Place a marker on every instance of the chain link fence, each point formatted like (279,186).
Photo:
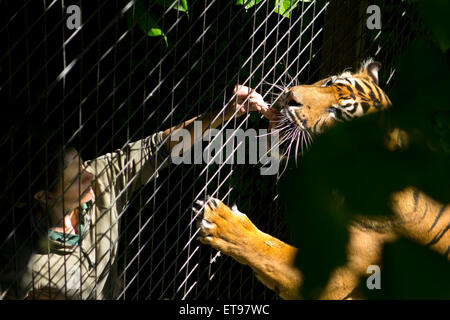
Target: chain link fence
(132,68)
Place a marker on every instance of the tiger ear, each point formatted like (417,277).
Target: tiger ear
(371,68)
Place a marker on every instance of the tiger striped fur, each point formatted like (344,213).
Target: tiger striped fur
(311,109)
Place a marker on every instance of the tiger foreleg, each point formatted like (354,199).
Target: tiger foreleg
(232,233)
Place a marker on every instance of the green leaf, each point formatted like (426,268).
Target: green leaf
(180,5)
(284,7)
(155,32)
(146,22)
(183,6)
(248,3)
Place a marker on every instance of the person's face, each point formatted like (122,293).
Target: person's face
(75,186)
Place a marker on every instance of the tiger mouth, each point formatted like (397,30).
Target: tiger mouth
(294,138)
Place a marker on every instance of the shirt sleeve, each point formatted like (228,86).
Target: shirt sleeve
(127,169)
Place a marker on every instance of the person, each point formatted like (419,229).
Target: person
(74,226)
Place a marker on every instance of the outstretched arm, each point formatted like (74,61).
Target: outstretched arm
(246,98)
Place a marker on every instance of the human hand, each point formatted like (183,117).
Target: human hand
(248,99)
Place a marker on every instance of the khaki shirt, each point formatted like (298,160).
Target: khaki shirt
(87,269)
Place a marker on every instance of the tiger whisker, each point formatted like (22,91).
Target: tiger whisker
(290,133)
(272,132)
(288,152)
(282,118)
(283,139)
(273,85)
(310,138)
(282,125)
(280,128)
(303,141)
(296,147)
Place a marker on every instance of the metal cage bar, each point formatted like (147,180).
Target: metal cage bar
(107,83)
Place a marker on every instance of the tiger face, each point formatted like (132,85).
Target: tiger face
(307,110)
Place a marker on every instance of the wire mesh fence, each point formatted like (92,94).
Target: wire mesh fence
(134,68)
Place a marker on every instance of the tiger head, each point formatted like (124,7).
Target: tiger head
(307,110)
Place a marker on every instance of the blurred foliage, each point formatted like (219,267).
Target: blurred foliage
(411,271)
(434,14)
(247,3)
(282,7)
(349,173)
(145,21)
(147,14)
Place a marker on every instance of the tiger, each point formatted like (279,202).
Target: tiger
(311,109)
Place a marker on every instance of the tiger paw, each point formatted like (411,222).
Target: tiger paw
(223,228)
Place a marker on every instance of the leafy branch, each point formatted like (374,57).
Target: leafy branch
(144,16)
(146,19)
(282,7)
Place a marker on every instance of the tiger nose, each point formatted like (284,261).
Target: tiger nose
(290,94)
(284,97)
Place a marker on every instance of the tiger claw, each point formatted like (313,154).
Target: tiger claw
(206,224)
(196,208)
(213,203)
(199,208)
(223,228)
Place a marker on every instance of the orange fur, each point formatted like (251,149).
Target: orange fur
(416,216)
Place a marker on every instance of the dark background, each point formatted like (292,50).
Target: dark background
(124,85)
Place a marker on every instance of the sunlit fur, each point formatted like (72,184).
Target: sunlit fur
(307,110)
